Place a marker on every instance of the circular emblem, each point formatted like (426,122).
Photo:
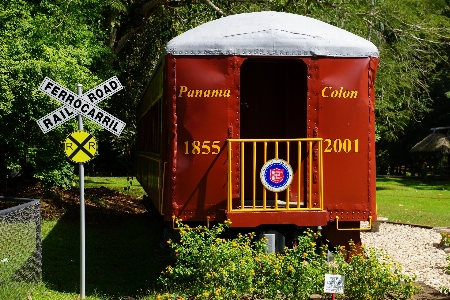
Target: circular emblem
(80,146)
(276,175)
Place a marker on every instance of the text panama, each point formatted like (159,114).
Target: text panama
(74,105)
(203,93)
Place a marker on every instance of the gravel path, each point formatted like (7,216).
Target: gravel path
(415,249)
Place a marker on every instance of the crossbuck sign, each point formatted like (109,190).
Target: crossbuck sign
(80,146)
(84,105)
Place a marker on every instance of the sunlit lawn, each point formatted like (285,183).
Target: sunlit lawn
(125,259)
(127,185)
(122,259)
(414,200)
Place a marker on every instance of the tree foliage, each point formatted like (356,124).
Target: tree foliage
(413,37)
(87,41)
(63,40)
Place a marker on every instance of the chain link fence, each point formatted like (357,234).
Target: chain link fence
(20,242)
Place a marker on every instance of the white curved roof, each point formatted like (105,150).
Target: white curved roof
(270,33)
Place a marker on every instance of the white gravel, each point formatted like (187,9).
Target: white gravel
(415,249)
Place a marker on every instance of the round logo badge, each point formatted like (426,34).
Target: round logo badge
(80,146)
(276,175)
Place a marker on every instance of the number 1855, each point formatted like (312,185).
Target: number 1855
(205,147)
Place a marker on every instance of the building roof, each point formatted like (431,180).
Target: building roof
(270,33)
(434,143)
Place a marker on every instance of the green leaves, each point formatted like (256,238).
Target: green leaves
(72,42)
(59,39)
(209,266)
(412,36)
(372,275)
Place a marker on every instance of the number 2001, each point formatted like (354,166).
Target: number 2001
(339,145)
(205,147)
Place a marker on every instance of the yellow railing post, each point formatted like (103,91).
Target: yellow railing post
(309,160)
(360,228)
(310,175)
(264,190)
(276,193)
(321,174)
(230,183)
(254,175)
(242,176)
(299,172)
(288,189)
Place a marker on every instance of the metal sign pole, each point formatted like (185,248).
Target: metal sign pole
(81,146)
(82,224)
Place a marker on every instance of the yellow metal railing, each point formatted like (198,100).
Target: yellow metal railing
(278,203)
(358,228)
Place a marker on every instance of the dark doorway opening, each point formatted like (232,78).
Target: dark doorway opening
(273,106)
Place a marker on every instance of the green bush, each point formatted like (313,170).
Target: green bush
(445,241)
(54,171)
(15,290)
(372,275)
(209,266)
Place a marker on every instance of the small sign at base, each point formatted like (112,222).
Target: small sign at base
(334,284)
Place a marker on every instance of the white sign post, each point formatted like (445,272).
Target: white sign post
(81,105)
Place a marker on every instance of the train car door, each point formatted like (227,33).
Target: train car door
(273,106)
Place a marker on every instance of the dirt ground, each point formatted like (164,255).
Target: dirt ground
(109,206)
(103,203)
(428,292)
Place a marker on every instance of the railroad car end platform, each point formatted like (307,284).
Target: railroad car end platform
(299,218)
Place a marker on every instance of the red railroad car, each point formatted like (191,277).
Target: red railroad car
(265,119)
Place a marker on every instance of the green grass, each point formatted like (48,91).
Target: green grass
(121,260)
(15,290)
(15,251)
(125,259)
(414,200)
(17,245)
(127,185)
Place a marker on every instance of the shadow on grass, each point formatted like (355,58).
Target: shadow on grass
(123,257)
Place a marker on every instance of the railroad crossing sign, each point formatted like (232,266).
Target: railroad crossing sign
(80,146)
(84,105)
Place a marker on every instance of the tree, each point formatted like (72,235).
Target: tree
(38,39)
(87,41)
(411,36)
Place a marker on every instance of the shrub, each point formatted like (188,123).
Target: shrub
(372,275)
(446,243)
(447,269)
(295,274)
(209,266)
(445,239)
